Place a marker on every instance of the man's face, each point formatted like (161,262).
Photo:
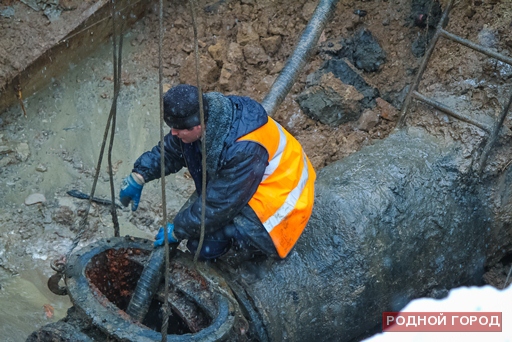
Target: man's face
(188,135)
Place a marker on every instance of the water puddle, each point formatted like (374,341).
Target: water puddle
(26,303)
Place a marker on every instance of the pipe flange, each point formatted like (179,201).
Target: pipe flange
(115,322)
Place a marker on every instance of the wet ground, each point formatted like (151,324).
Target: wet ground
(61,139)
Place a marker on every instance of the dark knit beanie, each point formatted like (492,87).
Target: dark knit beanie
(181,107)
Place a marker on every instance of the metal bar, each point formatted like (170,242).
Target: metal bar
(423,65)
(447,110)
(494,135)
(476,47)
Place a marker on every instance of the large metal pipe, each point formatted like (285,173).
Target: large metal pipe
(300,56)
(398,220)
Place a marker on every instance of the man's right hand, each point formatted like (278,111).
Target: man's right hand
(131,189)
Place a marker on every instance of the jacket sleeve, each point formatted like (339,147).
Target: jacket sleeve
(226,194)
(148,164)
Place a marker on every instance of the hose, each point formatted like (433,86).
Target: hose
(147,285)
(300,56)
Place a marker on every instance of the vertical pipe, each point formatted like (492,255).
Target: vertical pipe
(147,285)
(300,56)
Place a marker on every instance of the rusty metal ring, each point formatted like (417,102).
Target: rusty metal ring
(58,265)
(53,284)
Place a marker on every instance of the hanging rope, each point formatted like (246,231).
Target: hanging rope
(203,135)
(117,67)
(165,304)
(113,110)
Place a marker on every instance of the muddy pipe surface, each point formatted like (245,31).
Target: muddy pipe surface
(301,54)
(401,219)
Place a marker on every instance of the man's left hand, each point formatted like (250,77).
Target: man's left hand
(159,238)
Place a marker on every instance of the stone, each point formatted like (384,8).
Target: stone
(218,51)
(425,12)
(254,54)
(179,23)
(246,34)
(331,101)
(263,86)
(368,120)
(387,111)
(274,28)
(271,44)
(230,77)
(34,199)
(209,70)
(41,168)
(276,67)
(177,60)
(22,151)
(347,73)
(308,9)
(235,53)
(363,50)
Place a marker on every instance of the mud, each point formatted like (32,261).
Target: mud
(243,44)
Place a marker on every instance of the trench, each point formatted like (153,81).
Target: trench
(63,132)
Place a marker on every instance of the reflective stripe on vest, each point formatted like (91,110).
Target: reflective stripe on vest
(284,199)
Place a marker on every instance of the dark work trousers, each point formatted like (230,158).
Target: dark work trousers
(245,233)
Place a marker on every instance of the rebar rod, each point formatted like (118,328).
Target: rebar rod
(117,58)
(448,110)
(494,135)
(423,65)
(475,47)
(83,222)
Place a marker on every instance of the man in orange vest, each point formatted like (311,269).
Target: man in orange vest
(260,183)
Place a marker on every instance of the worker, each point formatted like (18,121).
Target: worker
(260,183)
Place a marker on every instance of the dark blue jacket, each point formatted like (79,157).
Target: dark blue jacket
(230,184)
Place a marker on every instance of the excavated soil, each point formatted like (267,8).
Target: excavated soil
(243,46)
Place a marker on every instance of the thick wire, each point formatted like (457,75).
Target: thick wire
(203,135)
(83,222)
(165,304)
(494,135)
(117,82)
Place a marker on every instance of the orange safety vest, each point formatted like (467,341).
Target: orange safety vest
(284,199)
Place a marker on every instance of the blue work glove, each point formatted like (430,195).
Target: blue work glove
(170,235)
(130,191)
